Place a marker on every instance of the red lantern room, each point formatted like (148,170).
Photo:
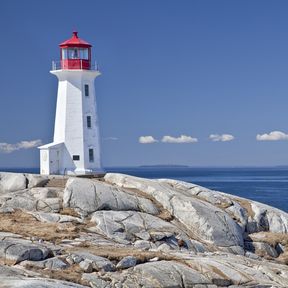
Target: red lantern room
(75,53)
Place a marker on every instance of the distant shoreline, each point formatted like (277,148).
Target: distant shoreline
(157,166)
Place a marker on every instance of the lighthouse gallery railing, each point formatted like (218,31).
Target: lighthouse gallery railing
(58,65)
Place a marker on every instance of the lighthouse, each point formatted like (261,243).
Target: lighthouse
(75,149)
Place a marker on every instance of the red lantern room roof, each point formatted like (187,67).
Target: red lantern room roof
(75,42)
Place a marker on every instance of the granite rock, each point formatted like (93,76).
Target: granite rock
(25,282)
(55,218)
(54,263)
(127,262)
(98,263)
(95,281)
(17,252)
(10,182)
(163,274)
(132,232)
(36,180)
(128,225)
(203,219)
(89,196)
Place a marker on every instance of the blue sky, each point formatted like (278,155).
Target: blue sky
(207,70)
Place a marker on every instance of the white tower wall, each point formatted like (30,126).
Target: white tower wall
(72,136)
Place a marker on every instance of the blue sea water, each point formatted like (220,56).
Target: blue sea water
(266,185)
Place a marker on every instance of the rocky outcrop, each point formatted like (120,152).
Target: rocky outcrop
(129,226)
(18,251)
(10,182)
(201,218)
(163,274)
(124,231)
(88,196)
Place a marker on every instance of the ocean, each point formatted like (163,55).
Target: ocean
(266,185)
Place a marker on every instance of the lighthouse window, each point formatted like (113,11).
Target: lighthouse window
(76,157)
(83,53)
(64,53)
(91,155)
(73,53)
(89,121)
(86,88)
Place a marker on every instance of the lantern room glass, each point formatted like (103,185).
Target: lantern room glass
(75,53)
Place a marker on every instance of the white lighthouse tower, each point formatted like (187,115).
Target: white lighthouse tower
(76,147)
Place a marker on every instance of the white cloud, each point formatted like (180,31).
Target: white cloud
(272,136)
(181,139)
(9,148)
(147,140)
(221,138)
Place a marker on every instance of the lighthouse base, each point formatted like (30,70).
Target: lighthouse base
(88,172)
(55,159)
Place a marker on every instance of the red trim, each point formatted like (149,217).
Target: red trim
(75,41)
(75,64)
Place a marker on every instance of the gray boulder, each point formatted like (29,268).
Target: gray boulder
(36,180)
(6,210)
(10,182)
(144,245)
(95,281)
(239,214)
(17,252)
(15,282)
(163,274)
(163,247)
(86,265)
(196,246)
(261,249)
(49,205)
(269,218)
(55,218)
(9,236)
(213,197)
(131,225)
(127,262)
(207,222)
(239,270)
(35,199)
(44,192)
(98,263)
(8,271)
(89,196)
(18,200)
(54,263)
(257,216)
